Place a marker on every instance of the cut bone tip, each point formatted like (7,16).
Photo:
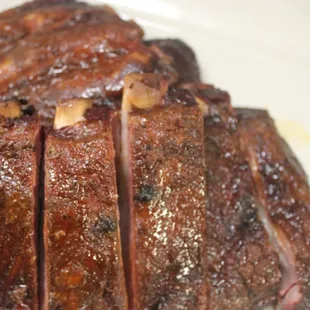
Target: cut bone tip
(10,109)
(143,91)
(71,112)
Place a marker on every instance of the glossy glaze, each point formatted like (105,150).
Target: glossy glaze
(83,260)
(71,50)
(284,187)
(243,267)
(44,17)
(166,174)
(19,161)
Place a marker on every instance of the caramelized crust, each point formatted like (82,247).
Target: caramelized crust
(243,266)
(83,260)
(284,186)
(82,77)
(19,164)
(59,50)
(44,17)
(165,252)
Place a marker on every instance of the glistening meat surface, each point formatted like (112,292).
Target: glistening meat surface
(283,186)
(215,212)
(83,263)
(82,76)
(165,204)
(44,17)
(243,267)
(36,55)
(19,160)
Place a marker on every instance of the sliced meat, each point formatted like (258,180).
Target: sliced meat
(162,196)
(82,77)
(50,16)
(37,54)
(19,165)
(83,263)
(283,188)
(183,56)
(88,60)
(244,264)
(84,54)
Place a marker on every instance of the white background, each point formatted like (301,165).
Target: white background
(258,50)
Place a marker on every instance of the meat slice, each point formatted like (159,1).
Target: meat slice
(19,165)
(37,54)
(84,54)
(283,187)
(183,56)
(82,77)
(83,262)
(162,196)
(44,17)
(244,259)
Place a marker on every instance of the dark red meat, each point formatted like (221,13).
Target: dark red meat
(83,262)
(19,163)
(283,186)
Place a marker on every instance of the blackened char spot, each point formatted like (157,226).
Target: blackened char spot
(108,298)
(66,217)
(212,120)
(29,110)
(23,102)
(161,303)
(180,96)
(104,224)
(249,213)
(146,193)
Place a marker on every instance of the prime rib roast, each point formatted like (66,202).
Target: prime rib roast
(128,183)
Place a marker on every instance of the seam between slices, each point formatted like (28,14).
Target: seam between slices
(278,239)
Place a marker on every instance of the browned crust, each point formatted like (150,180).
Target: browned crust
(167,256)
(284,186)
(19,163)
(243,267)
(83,252)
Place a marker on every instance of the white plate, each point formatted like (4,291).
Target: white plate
(258,50)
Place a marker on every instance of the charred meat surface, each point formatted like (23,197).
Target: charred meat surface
(243,267)
(183,56)
(163,170)
(34,54)
(81,79)
(83,263)
(19,163)
(214,206)
(44,17)
(86,56)
(283,185)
